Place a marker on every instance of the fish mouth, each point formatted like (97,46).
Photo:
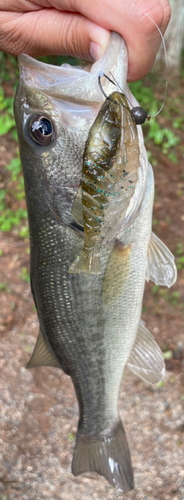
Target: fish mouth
(76,83)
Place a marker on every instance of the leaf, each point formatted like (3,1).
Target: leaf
(159,136)
(15,168)
(25,275)
(168,355)
(6,124)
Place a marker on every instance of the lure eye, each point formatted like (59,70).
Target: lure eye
(140,115)
(41,130)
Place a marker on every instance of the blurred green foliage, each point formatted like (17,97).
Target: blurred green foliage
(3,287)
(8,217)
(7,121)
(25,275)
(58,60)
(8,65)
(168,295)
(162,136)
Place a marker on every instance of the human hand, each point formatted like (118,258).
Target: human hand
(82,28)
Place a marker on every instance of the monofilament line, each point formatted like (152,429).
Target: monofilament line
(162,38)
(164,47)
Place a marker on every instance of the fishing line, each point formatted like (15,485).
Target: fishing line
(140,115)
(165,52)
(162,38)
(114,82)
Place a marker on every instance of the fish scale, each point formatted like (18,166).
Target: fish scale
(61,312)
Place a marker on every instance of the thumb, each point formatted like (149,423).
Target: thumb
(50,31)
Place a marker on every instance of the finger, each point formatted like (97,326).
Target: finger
(23,5)
(49,31)
(144,45)
(130,19)
(167,14)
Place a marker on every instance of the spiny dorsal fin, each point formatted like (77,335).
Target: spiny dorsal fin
(42,356)
(161,266)
(146,359)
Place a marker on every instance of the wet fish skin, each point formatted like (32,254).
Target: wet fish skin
(89,324)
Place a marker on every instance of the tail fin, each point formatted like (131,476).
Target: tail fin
(108,455)
(87,262)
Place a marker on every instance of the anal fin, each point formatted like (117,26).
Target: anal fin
(42,356)
(161,266)
(146,359)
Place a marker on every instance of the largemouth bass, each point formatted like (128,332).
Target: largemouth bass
(90,324)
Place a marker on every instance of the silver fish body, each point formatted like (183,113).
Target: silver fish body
(89,324)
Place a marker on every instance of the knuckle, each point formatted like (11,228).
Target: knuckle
(167,14)
(75,40)
(9,36)
(153,17)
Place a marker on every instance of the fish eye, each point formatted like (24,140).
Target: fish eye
(41,130)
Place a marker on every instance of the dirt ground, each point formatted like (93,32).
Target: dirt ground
(39,411)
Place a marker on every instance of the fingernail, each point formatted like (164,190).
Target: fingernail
(97,49)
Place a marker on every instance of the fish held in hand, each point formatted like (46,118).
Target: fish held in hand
(90,324)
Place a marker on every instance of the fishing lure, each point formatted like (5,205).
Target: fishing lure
(109,176)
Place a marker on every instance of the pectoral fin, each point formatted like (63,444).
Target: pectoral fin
(146,359)
(116,274)
(161,266)
(77,209)
(42,356)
